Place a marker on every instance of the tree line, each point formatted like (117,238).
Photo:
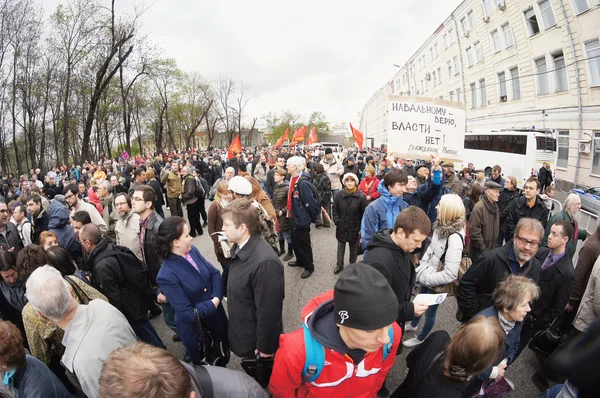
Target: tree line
(86,82)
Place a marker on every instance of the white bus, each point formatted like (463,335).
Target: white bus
(520,153)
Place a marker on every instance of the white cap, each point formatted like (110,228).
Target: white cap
(240,185)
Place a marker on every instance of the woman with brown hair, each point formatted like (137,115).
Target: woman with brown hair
(369,184)
(471,199)
(261,197)
(25,375)
(443,367)
(215,224)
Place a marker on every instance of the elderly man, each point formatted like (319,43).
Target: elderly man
(334,170)
(109,214)
(303,208)
(260,171)
(92,331)
(127,228)
(452,184)
(229,173)
(517,257)
(484,224)
(569,213)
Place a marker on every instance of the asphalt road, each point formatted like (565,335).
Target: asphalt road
(299,291)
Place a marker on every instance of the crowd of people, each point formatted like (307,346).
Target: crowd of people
(88,257)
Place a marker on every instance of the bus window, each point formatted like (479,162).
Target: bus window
(516,144)
(545,144)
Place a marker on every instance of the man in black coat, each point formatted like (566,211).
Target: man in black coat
(37,216)
(9,234)
(255,289)
(545,176)
(390,252)
(475,289)
(530,205)
(556,282)
(103,260)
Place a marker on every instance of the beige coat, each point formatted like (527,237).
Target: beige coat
(589,309)
(128,233)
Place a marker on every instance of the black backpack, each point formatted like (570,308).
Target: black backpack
(199,188)
(312,186)
(133,269)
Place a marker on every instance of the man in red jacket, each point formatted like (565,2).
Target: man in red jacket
(354,330)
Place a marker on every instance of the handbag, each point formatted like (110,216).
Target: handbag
(78,291)
(465,264)
(495,388)
(546,341)
(359,249)
(213,349)
(259,369)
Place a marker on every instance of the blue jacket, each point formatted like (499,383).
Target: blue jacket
(426,193)
(58,222)
(305,207)
(36,380)
(380,214)
(186,289)
(511,342)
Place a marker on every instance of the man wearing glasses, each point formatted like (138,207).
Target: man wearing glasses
(76,204)
(516,257)
(9,234)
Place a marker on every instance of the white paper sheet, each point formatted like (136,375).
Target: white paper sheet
(430,299)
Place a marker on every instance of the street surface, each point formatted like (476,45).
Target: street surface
(299,291)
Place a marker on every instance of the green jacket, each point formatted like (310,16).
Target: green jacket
(579,233)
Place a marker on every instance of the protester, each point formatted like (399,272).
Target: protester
(484,223)
(38,217)
(279,199)
(516,257)
(322,183)
(9,234)
(446,248)
(348,208)
(357,329)
(259,195)
(194,290)
(24,375)
(158,189)
(452,184)
(255,290)
(78,220)
(589,253)
(507,196)
(497,177)
(201,192)
(12,286)
(172,181)
(334,169)
(190,201)
(443,367)
(92,331)
(545,176)
(23,224)
(569,213)
(368,185)
(127,229)
(530,205)
(58,224)
(77,204)
(471,198)
(109,214)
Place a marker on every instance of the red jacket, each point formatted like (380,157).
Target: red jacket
(370,190)
(343,378)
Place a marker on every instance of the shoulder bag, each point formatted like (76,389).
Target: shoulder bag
(213,349)
(465,263)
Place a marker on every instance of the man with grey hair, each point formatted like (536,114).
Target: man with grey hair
(92,331)
(303,209)
(516,257)
(109,213)
(569,213)
(229,173)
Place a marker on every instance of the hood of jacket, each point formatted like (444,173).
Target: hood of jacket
(100,247)
(383,239)
(447,229)
(322,324)
(58,215)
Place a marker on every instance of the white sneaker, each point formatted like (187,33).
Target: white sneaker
(412,342)
(410,328)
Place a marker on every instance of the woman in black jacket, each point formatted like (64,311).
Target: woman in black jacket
(442,367)
(349,205)
(508,194)
(155,184)
(279,200)
(323,184)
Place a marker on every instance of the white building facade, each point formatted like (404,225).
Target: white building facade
(514,64)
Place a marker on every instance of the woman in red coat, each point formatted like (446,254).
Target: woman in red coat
(369,184)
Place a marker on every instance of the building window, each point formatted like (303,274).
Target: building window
(593,54)
(562,159)
(496,41)
(450,69)
(451,94)
(426,85)
(542,72)
(581,6)
(469,56)
(532,23)
(446,41)
(463,24)
(483,99)
(516,84)
(473,96)
(488,7)
(456,65)
(560,72)
(451,34)
(431,53)
(440,75)
(502,84)
(435,50)
(547,14)
(434,79)
(478,52)
(471,18)
(508,36)
(596,154)
(458,94)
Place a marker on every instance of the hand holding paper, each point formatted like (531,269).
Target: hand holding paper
(430,299)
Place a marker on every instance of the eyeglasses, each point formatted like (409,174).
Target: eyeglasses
(136,199)
(526,242)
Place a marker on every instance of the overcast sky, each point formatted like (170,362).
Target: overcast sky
(308,55)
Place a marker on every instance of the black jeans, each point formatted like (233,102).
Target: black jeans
(303,248)
(202,208)
(194,218)
(146,332)
(341,252)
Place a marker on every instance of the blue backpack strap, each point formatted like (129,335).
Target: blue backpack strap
(315,356)
(387,348)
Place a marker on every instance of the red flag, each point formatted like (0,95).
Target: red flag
(312,138)
(298,136)
(358,137)
(283,138)
(236,146)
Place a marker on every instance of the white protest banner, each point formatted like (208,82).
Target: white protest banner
(418,127)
